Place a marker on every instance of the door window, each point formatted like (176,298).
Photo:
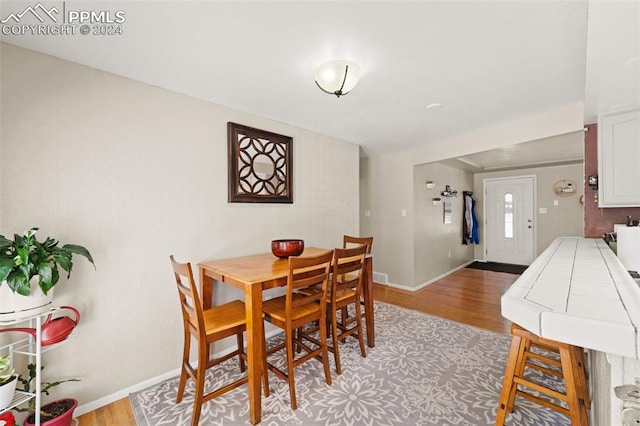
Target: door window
(508,215)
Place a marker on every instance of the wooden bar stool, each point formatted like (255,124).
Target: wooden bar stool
(534,352)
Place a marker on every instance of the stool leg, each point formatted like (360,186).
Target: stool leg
(581,379)
(525,346)
(580,370)
(577,410)
(508,383)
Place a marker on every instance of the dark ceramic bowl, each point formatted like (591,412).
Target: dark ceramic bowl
(286,248)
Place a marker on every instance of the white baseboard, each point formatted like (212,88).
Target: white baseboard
(431,281)
(399,286)
(108,399)
(439,277)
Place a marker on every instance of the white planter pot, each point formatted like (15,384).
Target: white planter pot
(14,305)
(6,392)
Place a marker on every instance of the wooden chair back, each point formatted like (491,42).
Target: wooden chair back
(306,272)
(349,241)
(191,307)
(348,267)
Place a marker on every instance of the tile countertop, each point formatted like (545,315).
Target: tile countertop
(578,292)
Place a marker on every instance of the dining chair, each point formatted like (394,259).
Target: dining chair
(294,310)
(207,326)
(346,289)
(347,273)
(349,241)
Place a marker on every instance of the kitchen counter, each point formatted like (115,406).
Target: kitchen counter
(578,292)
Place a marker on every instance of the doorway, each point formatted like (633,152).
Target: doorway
(510,220)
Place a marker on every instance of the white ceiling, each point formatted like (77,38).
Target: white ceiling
(486,62)
(555,150)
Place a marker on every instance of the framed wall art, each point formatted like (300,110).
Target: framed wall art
(260,165)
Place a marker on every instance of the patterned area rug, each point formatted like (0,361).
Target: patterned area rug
(423,371)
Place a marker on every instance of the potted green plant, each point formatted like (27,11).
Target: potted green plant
(8,382)
(29,267)
(56,413)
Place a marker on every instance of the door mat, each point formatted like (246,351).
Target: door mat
(498,267)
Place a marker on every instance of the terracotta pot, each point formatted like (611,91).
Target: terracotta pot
(65,419)
(6,392)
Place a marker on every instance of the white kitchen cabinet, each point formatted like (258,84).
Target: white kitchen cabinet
(619,159)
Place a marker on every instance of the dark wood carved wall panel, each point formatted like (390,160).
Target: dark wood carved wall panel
(260,166)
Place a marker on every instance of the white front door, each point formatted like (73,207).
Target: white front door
(510,226)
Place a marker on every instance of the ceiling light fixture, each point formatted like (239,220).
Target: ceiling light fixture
(337,77)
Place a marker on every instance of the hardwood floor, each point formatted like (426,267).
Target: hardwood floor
(469,296)
(117,413)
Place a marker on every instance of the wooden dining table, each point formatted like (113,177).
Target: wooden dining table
(256,273)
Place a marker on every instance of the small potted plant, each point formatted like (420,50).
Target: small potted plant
(56,413)
(8,382)
(29,267)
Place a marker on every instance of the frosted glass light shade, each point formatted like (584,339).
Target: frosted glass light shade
(337,77)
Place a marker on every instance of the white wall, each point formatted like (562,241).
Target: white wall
(387,190)
(136,173)
(438,246)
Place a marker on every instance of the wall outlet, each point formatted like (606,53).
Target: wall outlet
(543,210)
(367,213)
